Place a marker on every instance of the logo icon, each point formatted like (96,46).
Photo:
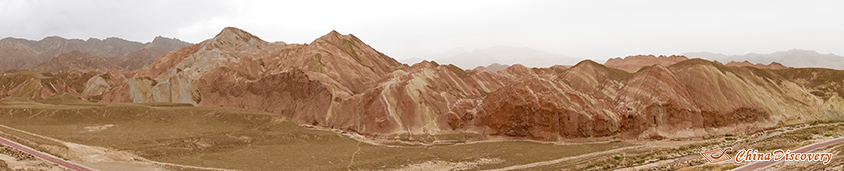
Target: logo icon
(717,155)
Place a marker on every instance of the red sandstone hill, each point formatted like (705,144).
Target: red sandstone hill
(338,81)
(686,99)
(39,85)
(506,55)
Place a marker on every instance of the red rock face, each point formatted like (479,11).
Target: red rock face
(686,99)
(425,99)
(553,105)
(543,110)
(292,93)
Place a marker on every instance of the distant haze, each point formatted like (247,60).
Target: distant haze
(403,30)
(507,56)
(792,58)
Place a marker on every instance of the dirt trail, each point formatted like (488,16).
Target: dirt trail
(762,164)
(560,160)
(45,156)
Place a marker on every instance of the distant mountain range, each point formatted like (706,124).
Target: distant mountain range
(24,54)
(504,55)
(792,58)
(431,57)
(76,61)
(634,63)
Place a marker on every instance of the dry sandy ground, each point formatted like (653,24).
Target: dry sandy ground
(836,164)
(95,157)
(444,165)
(839,165)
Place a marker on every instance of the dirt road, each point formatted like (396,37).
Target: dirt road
(44,156)
(762,164)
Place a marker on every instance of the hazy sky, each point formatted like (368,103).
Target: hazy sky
(585,29)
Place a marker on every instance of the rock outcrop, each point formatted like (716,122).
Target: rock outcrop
(426,99)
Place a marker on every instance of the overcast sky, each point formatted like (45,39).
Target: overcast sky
(584,29)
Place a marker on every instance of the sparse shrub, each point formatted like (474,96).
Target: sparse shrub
(827,135)
(814,132)
(730,139)
(616,158)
